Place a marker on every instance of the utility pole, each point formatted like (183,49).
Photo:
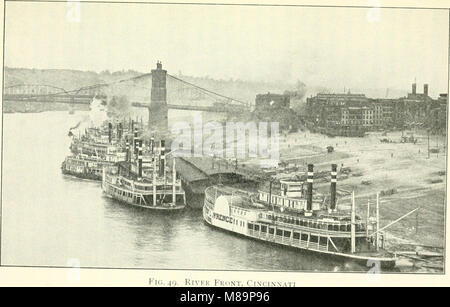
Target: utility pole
(417,221)
(428,133)
(437,146)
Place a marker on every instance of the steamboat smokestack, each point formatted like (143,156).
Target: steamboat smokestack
(333,187)
(414,86)
(310,177)
(132,139)
(127,146)
(136,140)
(162,158)
(110,127)
(120,131)
(425,89)
(140,159)
(152,145)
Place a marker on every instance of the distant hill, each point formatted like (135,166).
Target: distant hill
(67,79)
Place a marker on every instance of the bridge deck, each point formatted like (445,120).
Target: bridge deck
(87,99)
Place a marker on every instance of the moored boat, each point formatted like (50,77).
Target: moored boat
(293,220)
(85,167)
(91,155)
(147,185)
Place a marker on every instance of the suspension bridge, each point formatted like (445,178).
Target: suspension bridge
(179,95)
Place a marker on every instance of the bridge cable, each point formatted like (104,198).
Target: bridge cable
(208,91)
(89,86)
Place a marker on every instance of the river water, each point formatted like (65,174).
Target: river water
(49,219)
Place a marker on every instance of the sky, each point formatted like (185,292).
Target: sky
(330,47)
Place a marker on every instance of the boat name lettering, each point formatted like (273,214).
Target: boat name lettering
(225,218)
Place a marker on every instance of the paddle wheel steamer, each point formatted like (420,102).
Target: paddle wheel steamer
(142,180)
(292,218)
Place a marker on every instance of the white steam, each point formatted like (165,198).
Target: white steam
(95,118)
(97,114)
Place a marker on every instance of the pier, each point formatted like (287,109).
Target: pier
(209,168)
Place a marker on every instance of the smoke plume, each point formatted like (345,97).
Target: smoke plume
(119,107)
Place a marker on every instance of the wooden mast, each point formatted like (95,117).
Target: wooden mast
(154,179)
(367,217)
(174,180)
(353,241)
(377,237)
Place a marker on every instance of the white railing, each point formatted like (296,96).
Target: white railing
(287,240)
(332,233)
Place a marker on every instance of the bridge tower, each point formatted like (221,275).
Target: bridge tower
(158,111)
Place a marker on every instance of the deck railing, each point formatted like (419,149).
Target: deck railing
(332,233)
(287,240)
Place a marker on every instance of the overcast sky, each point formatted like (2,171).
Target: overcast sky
(332,47)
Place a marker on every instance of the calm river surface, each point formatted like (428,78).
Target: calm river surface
(49,219)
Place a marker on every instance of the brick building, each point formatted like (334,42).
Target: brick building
(344,114)
(417,106)
(354,114)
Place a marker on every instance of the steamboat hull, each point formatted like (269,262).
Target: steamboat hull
(128,198)
(84,175)
(235,215)
(369,262)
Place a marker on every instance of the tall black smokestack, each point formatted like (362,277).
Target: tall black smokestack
(162,158)
(310,177)
(132,138)
(135,140)
(120,131)
(140,159)
(152,145)
(110,132)
(333,187)
(128,150)
(425,89)
(414,86)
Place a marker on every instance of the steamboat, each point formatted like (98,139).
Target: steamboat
(291,218)
(87,167)
(92,152)
(143,180)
